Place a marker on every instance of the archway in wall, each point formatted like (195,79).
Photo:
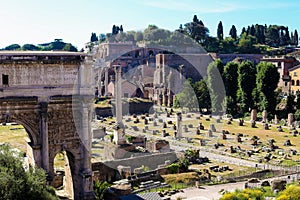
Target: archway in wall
(19,137)
(63,174)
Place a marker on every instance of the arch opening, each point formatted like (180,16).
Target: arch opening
(21,136)
(64,166)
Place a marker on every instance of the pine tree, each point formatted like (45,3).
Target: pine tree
(296,38)
(252,30)
(113,30)
(220,31)
(233,33)
(243,31)
(94,37)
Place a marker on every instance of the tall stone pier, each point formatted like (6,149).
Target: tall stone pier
(119,132)
(179,125)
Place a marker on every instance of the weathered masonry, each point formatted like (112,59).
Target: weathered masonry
(50,94)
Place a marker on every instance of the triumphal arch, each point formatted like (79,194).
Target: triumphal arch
(50,94)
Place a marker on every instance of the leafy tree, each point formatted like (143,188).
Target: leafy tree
(187,97)
(12,47)
(180,29)
(260,33)
(99,188)
(244,194)
(220,65)
(202,94)
(138,36)
(266,81)
(252,30)
(230,76)
(196,30)
(216,88)
(102,37)
(272,36)
(297,114)
(297,100)
(18,183)
(150,27)
(246,43)
(94,37)
(30,47)
(69,47)
(246,85)
(211,44)
(220,34)
(233,32)
(156,35)
(290,103)
(228,45)
(292,192)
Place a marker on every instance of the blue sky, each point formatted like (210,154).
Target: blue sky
(39,21)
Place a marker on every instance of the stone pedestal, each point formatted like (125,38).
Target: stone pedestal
(264,116)
(209,133)
(276,120)
(253,114)
(179,125)
(212,128)
(253,124)
(290,119)
(119,134)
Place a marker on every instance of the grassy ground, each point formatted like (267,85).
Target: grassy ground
(15,135)
(191,121)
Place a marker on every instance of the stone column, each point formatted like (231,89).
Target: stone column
(253,115)
(264,116)
(119,132)
(179,125)
(290,119)
(106,81)
(85,135)
(276,121)
(118,93)
(86,190)
(180,72)
(43,126)
(100,82)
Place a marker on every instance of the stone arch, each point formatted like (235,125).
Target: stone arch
(70,171)
(33,151)
(31,131)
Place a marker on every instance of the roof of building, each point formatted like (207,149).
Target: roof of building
(146,196)
(293,68)
(41,53)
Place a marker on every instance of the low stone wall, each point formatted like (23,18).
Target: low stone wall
(127,108)
(108,170)
(151,161)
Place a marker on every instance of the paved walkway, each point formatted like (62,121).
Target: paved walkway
(207,192)
(212,192)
